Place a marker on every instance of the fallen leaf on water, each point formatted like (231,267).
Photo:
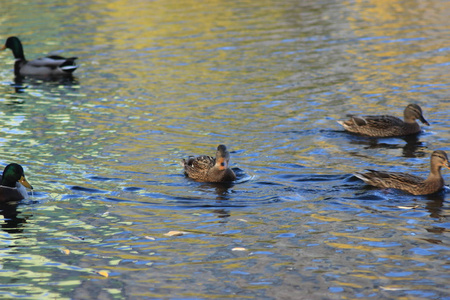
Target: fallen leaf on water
(408,207)
(391,288)
(175,233)
(103,273)
(239,249)
(65,251)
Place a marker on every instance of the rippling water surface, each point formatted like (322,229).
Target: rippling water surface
(161,80)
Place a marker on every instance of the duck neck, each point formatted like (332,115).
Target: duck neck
(435,172)
(8,183)
(17,50)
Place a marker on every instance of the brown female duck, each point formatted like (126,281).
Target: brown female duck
(53,65)
(385,125)
(410,183)
(13,184)
(205,168)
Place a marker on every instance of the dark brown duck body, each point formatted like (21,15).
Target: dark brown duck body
(13,184)
(410,183)
(385,125)
(205,168)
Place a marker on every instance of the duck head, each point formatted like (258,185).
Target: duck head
(12,174)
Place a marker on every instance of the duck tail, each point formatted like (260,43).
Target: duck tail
(69,65)
(362,176)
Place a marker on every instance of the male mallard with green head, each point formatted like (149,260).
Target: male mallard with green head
(205,168)
(410,183)
(385,125)
(53,65)
(13,184)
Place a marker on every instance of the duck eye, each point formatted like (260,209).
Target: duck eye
(222,164)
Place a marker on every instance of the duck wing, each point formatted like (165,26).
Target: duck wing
(380,122)
(203,162)
(396,180)
(53,61)
(197,167)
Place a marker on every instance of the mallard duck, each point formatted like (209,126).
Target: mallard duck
(13,184)
(205,168)
(410,183)
(385,125)
(53,65)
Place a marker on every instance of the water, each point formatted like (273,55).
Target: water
(161,80)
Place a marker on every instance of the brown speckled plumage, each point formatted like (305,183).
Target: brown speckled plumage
(385,125)
(410,183)
(205,168)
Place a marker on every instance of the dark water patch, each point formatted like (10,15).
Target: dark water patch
(367,198)
(308,132)
(312,177)
(352,178)
(241,176)
(214,196)
(221,202)
(268,183)
(87,190)
(292,166)
(102,178)
(132,189)
(125,200)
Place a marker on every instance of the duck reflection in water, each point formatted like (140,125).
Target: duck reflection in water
(12,223)
(47,84)
(220,189)
(435,204)
(413,147)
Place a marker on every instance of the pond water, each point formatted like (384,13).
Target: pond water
(161,80)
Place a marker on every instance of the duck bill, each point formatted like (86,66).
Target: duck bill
(422,119)
(447,165)
(25,183)
(3,47)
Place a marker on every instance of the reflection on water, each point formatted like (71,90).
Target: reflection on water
(13,223)
(159,80)
(414,147)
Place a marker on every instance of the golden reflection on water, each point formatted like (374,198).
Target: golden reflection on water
(161,80)
(387,48)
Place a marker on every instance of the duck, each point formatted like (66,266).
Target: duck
(410,183)
(205,168)
(13,184)
(386,125)
(53,65)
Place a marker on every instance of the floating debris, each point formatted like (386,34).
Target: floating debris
(103,273)
(239,249)
(175,233)
(408,207)
(65,251)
